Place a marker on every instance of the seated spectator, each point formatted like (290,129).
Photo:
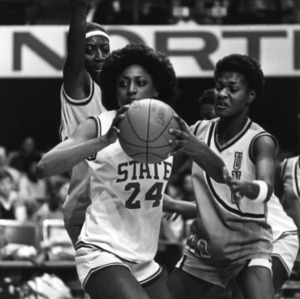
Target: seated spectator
(52,207)
(32,190)
(5,167)
(11,207)
(16,158)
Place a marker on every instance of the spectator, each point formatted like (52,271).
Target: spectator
(11,207)
(31,189)
(52,207)
(16,158)
(15,174)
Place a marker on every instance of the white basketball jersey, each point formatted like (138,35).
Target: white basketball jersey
(125,214)
(73,112)
(290,176)
(225,232)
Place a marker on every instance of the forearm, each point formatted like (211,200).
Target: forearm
(210,162)
(187,209)
(62,159)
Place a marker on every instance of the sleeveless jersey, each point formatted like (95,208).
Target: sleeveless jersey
(73,112)
(125,214)
(290,176)
(223,232)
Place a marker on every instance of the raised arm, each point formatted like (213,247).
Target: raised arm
(75,76)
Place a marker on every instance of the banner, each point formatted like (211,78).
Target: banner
(40,51)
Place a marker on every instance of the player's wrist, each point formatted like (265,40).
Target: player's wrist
(263,191)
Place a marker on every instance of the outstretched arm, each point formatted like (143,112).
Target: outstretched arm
(75,75)
(197,151)
(185,208)
(83,144)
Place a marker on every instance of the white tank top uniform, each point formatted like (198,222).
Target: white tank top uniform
(225,236)
(125,214)
(74,112)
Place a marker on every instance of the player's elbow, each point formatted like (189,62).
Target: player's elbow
(41,170)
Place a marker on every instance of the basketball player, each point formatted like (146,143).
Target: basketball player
(88,46)
(231,237)
(119,239)
(289,194)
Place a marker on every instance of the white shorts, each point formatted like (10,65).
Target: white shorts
(217,275)
(90,259)
(286,249)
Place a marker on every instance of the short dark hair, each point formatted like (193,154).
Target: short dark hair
(245,65)
(156,63)
(207,97)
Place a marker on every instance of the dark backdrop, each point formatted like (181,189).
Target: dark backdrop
(30,107)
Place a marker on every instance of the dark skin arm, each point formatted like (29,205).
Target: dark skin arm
(75,75)
(82,144)
(264,151)
(190,146)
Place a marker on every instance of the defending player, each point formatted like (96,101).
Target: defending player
(88,46)
(231,237)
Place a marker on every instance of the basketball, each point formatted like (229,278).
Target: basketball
(144,131)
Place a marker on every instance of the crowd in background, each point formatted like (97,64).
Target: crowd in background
(154,12)
(23,196)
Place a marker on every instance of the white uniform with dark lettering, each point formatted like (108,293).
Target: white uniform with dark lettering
(225,237)
(73,112)
(125,214)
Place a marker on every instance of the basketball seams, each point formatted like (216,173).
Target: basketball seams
(140,124)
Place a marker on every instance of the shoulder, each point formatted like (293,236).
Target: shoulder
(203,125)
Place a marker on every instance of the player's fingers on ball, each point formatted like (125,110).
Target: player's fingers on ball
(175,132)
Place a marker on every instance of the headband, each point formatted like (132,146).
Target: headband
(96,32)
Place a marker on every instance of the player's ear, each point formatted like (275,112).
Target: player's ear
(156,94)
(251,96)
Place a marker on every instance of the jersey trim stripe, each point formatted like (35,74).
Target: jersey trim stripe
(283,169)
(196,127)
(98,125)
(296,178)
(83,101)
(286,233)
(228,208)
(89,245)
(152,277)
(234,139)
(264,133)
(283,262)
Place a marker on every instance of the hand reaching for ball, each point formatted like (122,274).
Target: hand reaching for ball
(184,140)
